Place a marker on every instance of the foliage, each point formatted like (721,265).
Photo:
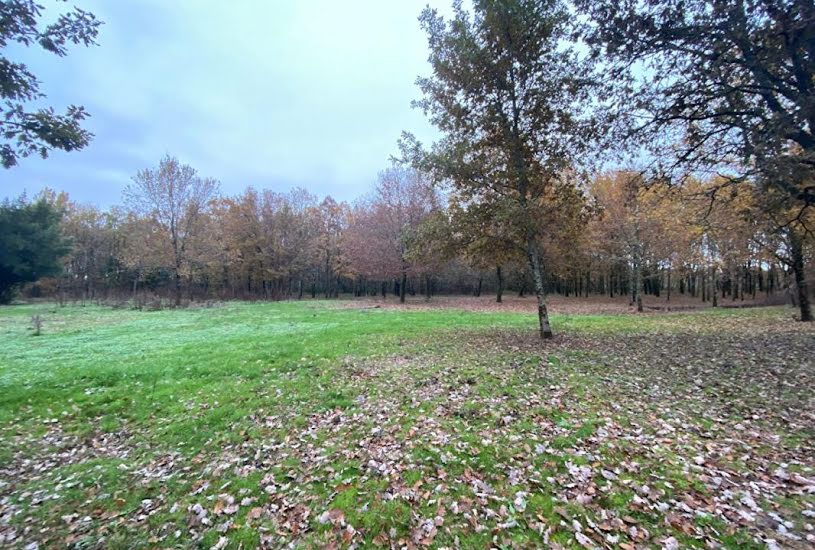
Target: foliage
(31,243)
(724,84)
(508,94)
(27,132)
(384,236)
(174,198)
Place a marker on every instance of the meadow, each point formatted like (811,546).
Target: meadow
(336,424)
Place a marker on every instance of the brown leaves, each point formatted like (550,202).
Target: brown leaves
(225,505)
(600,441)
(334,516)
(425,532)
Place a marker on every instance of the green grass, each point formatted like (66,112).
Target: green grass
(132,365)
(127,419)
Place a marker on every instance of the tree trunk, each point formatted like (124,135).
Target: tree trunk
(500,275)
(328,276)
(636,281)
(704,288)
(638,287)
(754,280)
(797,252)
(714,293)
(668,289)
(537,275)
(478,287)
(177,276)
(177,262)
(403,287)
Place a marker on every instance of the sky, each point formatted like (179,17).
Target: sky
(274,94)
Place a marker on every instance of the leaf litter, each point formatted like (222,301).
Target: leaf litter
(698,435)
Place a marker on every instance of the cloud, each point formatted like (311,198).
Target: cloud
(270,94)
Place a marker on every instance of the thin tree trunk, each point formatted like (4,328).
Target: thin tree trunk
(537,274)
(500,275)
(713,294)
(403,286)
(327,276)
(177,264)
(737,284)
(704,288)
(177,286)
(754,275)
(638,286)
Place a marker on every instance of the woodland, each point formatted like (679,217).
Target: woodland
(615,237)
(579,318)
(708,123)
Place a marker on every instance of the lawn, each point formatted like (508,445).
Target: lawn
(333,424)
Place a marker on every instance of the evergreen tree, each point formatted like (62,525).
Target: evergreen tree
(31,244)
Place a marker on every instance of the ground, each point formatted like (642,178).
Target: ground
(338,424)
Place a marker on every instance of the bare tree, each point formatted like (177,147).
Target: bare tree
(174,196)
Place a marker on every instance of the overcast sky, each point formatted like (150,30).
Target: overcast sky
(274,94)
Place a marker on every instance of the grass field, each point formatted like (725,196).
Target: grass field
(325,424)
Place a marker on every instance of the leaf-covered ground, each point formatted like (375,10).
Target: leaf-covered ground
(309,425)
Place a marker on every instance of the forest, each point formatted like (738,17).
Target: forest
(576,314)
(711,198)
(613,236)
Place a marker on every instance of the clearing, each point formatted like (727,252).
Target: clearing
(332,424)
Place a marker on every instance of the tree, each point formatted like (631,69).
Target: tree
(785,232)
(31,244)
(331,222)
(508,94)
(730,85)
(37,132)
(175,198)
(143,249)
(627,224)
(483,233)
(736,78)
(385,228)
(94,236)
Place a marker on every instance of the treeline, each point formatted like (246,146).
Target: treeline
(712,101)
(176,238)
